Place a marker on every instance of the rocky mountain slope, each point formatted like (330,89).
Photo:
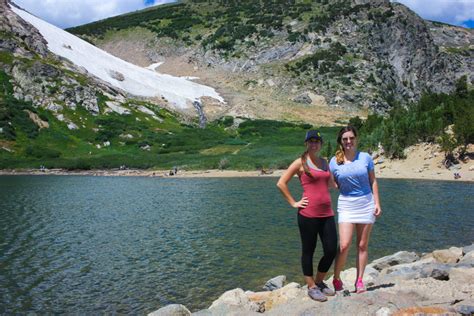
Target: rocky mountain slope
(287,59)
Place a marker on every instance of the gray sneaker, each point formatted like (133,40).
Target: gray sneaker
(325,289)
(315,294)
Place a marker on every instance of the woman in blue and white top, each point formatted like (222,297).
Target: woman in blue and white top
(358,203)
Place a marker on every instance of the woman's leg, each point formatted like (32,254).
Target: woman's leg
(363,235)
(345,238)
(328,236)
(309,235)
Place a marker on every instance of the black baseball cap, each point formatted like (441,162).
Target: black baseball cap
(313,134)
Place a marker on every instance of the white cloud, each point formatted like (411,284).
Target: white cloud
(449,11)
(67,13)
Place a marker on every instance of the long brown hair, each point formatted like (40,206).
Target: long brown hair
(340,148)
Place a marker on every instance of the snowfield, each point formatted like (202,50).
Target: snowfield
(179,92)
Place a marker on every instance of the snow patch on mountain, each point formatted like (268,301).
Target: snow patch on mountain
(133,79)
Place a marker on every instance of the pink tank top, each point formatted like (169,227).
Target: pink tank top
(316,190)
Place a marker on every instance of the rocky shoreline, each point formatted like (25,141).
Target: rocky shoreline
(405,283)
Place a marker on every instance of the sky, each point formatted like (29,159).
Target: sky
(67,13)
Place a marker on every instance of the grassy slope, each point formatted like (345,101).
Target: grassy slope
(254,144)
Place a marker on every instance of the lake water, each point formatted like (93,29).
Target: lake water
(88,245)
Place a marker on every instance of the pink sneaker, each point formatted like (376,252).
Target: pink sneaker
(360,287)
(338,285)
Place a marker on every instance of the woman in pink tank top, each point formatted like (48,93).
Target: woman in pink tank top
(315,214)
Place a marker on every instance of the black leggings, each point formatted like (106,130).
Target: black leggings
(309,230)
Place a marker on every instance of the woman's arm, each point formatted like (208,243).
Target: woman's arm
(375,192)
(332,182)
(282,184)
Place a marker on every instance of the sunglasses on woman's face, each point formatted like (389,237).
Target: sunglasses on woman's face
(346,139)
(313,140)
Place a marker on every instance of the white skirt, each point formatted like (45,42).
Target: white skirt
(356,209)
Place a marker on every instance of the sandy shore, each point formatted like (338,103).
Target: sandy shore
(423,162)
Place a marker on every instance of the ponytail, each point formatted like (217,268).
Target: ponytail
(304,158)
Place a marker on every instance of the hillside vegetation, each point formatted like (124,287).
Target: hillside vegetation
(373,55)
(441,118)
(111,140)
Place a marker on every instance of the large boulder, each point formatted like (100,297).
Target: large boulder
(407,271)
(275,283)
(467,260)
(171,310)
(462,275)
(436,271)
(226,310)
(470,248)
(235,297)
(349,276)
(270,299)
(395,259)
(451,255)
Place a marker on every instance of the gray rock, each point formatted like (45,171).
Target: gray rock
(235,298)
(467,260)
(226,310)
(303,98)
(395,259)
(202,312)
(116,75)
(171,310)
(275,283)
(72,126)
(406,271)
(467,249)
(451,255)
(462,275)
(384,311)
(436,271)
(465,310)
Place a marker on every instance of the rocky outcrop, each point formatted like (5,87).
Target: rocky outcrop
(22,37)
(441,282)
(49,81)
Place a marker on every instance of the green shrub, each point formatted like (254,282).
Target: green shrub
(41,152)
(424,121)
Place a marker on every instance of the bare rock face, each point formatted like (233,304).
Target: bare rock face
(23,33)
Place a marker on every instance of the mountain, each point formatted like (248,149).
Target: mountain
(253,77)
(289,59)
(67,104)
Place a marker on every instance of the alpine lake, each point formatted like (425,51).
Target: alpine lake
(130,245)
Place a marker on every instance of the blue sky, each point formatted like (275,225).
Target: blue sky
(67,13)
(456,12)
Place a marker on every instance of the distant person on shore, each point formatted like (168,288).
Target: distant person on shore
(315,215)
(358,203)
